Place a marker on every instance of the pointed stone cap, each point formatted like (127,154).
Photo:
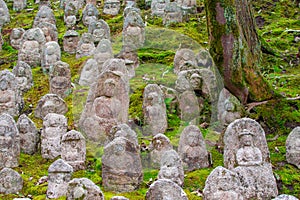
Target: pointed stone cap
(60,166)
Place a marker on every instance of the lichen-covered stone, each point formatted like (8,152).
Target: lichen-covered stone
(85,189)
(23,74)
(11,181)
(16,37)
(293,147)
(60,79)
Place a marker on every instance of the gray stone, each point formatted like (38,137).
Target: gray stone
(85,189)
(4,14)
(11,181)
(11,101)
(171,167)
(285,197)
(19,5)
(89,73)
(9,142)
(54,127)
(131,60)
(118,198)
(121,166)
(158,146)
(229,108)
(102,53)
(86,46)
(16,37)
(50,103)
(89,14)
(115,65)
(45,14)
(158,7)
(187,6)
(154,110)
(111,7)
(23,74)
(70,41)
(105,106)
(131,6)
(189,107)
(99,29)
(60,79)
(73,149)
(51,54)
(70,13)
(203,59)
(59,174)
(165,189)
(192,149)
(222,184)
(29,136)
(133,31)
(1,41)
(184,59)
(49,30)
(293,147)
(173,14)
(123,130)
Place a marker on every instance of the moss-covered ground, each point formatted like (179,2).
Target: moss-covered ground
(279,25)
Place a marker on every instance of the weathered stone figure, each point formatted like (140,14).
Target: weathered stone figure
(16,37)
(49,30)
(105,106)
(29,136)
(123,130)
(189,107)
(183,59)
(222,184)
(9,142)
(158,146)
(173,14)
(111,7)
(85,46)
(293,147)
(154,109)
(204,59)
(85,189)
(70,13)
(246,148)
(165,189)
(45,14)
(54,127)
(285,197)
(11,101)
(130,57)
(89,73)
(73,149)
(51,54)
(23,74)
(171,167)
(4,14)
(70,41)
(50,103)
(133,31)
(121,166)
(187,6)
(90,14)
(11,181)
(19,5)
(158,7)
(99,29)
(192,149)
(60,79)
(102,53)
(59,174)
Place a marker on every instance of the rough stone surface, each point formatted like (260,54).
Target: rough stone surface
(50,103)
(165,189)
(54,127)
(131,59)
(184,59)
(11,181)
(173,14)
(89,73)
(285,197)
(70,13)
(23,74)
(102,110)
(59,174)
(51,54)
(49,30)
(86,46)
(119,198)
(158,7)
(9,142)
(89,14)
(203,59)
(60,79)
(70,41)
(111,7)
(293,147)
(4,14)
(45,14)
(158,146)
(123,130)
(229,108)
(19,5)
(103,53)
(85,189)
(11,101)
(189,107)
(222,184)
(121,166)
(187,6)
(99,29)
(16,37)
(73,149)
(29,136)
(171,167)
(192,149)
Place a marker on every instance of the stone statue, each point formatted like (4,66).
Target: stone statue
(85,46)
(293,147)
(16,37)
(70,41)
(90,14)
(23,74)
(60,79)
(111,7)
(99,29)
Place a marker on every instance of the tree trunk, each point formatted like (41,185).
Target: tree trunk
(235,48)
